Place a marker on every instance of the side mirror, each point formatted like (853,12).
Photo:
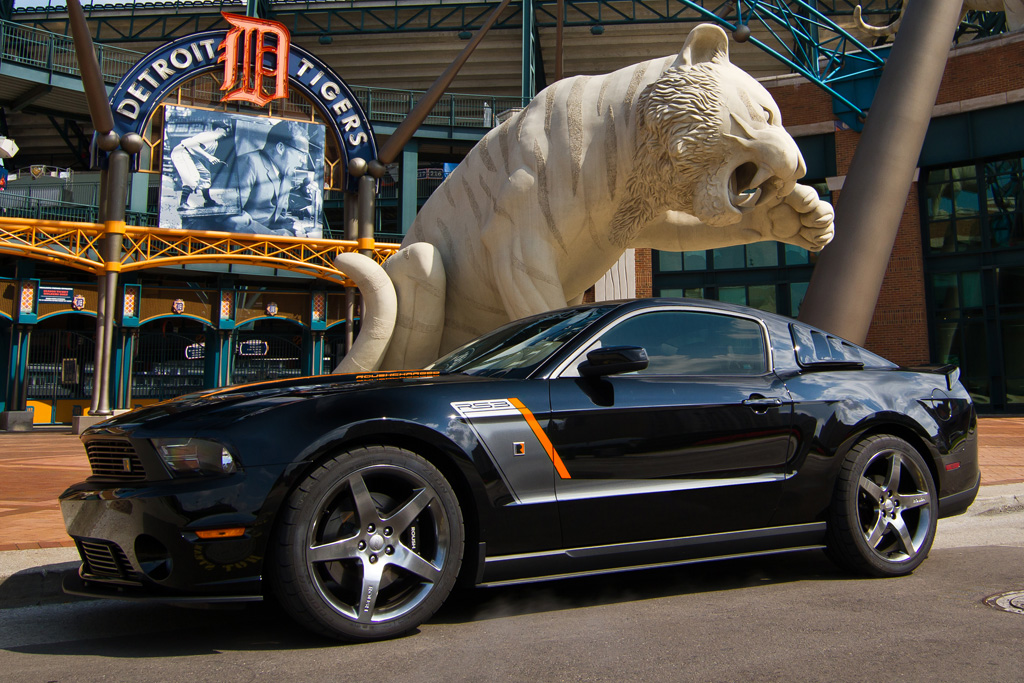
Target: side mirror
(613,360)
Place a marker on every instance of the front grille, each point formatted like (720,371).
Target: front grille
(115,460)
(105,560)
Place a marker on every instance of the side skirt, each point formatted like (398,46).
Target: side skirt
(574,562)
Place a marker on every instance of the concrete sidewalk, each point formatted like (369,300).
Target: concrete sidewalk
(35,467)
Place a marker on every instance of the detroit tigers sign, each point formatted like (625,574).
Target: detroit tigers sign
(259,63)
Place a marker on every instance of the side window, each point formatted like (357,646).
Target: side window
(693,343)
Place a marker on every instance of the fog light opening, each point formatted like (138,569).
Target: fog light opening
(153,557)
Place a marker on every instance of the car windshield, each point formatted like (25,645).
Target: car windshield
(516,349)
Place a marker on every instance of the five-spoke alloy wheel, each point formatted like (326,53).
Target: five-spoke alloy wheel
(885,508)
(369,544)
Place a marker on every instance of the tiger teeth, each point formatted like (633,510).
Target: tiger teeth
(747,199)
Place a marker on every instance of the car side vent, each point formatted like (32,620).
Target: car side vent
(104,561)
(115,460)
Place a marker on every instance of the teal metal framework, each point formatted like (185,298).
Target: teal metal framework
(151,20)
(801,34)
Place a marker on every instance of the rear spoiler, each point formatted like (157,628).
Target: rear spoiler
(952,372)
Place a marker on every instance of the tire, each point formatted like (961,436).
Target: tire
(368,545)
(884,511)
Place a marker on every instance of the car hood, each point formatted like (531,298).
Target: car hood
(244,400)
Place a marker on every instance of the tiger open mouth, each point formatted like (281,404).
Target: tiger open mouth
(751,184)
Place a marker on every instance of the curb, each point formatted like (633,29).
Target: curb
(34,577)
(997,500)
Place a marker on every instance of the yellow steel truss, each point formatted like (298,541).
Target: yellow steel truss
(78,245)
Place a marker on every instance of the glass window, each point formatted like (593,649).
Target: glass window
(968,234)
(947,291)
(733,295)
(1013,361)
(940,236)
(795,256)
(761,254)
(516,349)
(974,361)
(693,343)
(728,257)
(1011,289)
(670,292)
(947,347)
(762,297)
(695,260)
(967,211)
(694,293)
(1006,230)
(797,292)
(670,261)
(971,288)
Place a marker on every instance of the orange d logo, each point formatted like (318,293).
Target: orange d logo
(245,45)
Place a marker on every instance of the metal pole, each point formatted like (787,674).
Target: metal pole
(351,233)
(367,210)
(559,45)
(14,344)
(844,288)
(114,227)
(101,301)
(26,350)
(20,373)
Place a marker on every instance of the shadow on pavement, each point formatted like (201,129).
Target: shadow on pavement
(143,630)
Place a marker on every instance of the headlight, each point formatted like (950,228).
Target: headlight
(195,456)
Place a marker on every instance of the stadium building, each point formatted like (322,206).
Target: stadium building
(953,293)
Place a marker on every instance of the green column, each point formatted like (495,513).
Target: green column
(529,52)
(138,193)
(408,187)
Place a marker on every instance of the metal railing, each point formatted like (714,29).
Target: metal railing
(54,53)
(15,205)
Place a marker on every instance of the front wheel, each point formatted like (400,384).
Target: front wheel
(884,509)
(369,545)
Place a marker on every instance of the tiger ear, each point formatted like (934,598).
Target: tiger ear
(706,43)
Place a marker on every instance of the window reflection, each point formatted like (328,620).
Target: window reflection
(692,343)
(970,208)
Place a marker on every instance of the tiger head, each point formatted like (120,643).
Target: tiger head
(710,141)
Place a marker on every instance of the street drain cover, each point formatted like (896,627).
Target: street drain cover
(1012,601)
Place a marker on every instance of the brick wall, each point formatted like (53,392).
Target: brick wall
(644,273)
(986,68)
(802,103)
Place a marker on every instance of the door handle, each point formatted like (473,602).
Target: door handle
(761,404)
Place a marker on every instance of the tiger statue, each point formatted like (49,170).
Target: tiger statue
(682,153)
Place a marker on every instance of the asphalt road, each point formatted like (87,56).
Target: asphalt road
(784,618)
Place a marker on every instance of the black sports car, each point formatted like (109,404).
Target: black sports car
(591,439)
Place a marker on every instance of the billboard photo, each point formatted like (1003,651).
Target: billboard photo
(236,173)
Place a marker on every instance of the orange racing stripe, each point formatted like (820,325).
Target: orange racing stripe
(542,437)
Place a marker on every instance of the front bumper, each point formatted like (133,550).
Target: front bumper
(140,541)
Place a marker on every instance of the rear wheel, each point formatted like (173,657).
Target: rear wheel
(369,545)
(884,510)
